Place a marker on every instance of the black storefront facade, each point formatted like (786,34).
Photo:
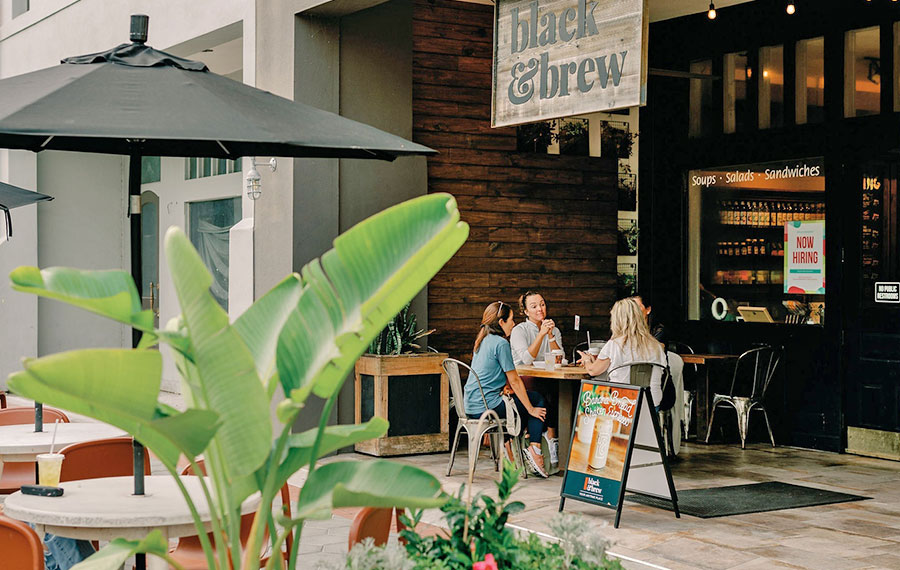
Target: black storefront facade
(839,387)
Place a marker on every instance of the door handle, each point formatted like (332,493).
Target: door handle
(154,298)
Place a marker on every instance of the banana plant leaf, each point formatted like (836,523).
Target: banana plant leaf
(119,387)
(367,484)
(350,294)
(118,551)
(111,294)
(227,371)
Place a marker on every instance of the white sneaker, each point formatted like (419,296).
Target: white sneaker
(532,462)
(553,447)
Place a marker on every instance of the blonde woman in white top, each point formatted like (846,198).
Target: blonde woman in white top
(631,342)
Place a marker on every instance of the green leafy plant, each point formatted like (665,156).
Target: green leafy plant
(304,335)
(478,528)
(400,335)
(571,134)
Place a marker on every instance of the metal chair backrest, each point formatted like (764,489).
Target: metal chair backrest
(680,348)
(641,372)
(451,367)
(112,457)
(25,415)
(761,363)
(575,350)
(20,545)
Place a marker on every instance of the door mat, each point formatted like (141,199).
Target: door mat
(744,499)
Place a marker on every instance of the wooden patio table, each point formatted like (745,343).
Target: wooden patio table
(703,392)
(570,378)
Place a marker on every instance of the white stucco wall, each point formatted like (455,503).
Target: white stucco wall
(86,226)
(18,312)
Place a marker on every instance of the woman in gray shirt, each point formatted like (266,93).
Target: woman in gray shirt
(530,340)
(536,335)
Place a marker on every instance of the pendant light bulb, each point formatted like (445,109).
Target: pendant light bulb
(791,8)
(712,11)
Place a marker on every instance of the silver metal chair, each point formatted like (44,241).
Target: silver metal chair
(476,428)
(575,350)
(683,348)
(642,375)
(761,364)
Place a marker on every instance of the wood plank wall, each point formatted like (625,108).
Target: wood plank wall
(537,220)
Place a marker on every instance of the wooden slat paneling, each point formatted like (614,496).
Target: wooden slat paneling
(537,220)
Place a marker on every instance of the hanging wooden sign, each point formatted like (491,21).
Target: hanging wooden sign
(558,58)
(616,447)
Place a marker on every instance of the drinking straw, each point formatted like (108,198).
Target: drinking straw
(53,439)
(589,339)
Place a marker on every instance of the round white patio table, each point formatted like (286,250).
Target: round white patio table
(20,443)
(104,509)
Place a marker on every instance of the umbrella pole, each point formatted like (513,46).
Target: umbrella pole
(134,209)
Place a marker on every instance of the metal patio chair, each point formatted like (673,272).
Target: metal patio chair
(761,363)
(510,425)
(642,375)
(689,395)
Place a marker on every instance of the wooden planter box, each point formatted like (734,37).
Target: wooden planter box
(412,392)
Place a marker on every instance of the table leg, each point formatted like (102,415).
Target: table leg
(564,415)
(702,405)
(155,562)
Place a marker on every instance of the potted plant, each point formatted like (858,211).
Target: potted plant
(391,379)
(305,334)
(479,539)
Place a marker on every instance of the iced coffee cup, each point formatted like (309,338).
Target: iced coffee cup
(49,467)
(599,450)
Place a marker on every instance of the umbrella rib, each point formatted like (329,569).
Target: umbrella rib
(47,141)
(228,152)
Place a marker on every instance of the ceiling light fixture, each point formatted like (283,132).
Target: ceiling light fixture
(791,8)
(712,11)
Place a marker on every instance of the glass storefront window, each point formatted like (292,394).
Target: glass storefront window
(208,227)
(810,98)
(737,74)
(862,72)
(756,242)
(701,124)
(771,87)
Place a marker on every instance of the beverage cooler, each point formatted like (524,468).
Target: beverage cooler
(756,243)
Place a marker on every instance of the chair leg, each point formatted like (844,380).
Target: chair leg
(768,426)
(453,449)
(517,454)
(712,415)
(474,448)
(497,449)
(743,418)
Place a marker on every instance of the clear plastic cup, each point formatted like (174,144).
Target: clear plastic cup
(49,467)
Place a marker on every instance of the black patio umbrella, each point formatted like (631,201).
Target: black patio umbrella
(135,100)
(14,197)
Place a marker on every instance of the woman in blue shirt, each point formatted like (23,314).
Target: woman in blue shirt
(492,361)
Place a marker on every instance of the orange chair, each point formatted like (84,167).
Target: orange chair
(20,545)
(189,552)
(374,522)
(112,457)
(17,474)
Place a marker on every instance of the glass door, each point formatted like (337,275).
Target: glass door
(150,254)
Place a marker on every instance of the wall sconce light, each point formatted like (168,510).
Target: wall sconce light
(712,11)
(791,8)
(254,185)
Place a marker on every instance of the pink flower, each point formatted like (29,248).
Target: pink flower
(488,564)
